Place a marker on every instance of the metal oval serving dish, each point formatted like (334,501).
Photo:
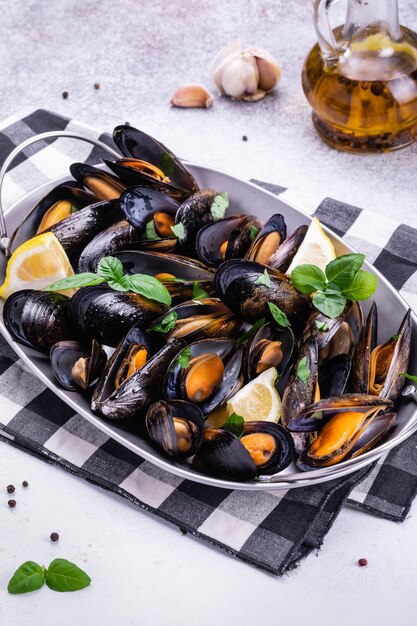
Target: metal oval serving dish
(248,199)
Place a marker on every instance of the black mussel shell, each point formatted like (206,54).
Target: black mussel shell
(193,214)
(138,391)
(191,321)
(107,315)
(284,453)
(255,348)
(333,375)
(139,204)
(118,236)
(75,366)
(268,240)
(103,185)
(394,382)
(232,381)
(38,319)
(235,232)
(67,191)
(78,229)
(373,434)
(282,258)
(161,419)
(138,145)
(222,454)
(236,285)
(359,377)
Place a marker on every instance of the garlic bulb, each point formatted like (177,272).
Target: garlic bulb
(192,96)
(245,73)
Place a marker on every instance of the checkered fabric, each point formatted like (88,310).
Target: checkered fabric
(272,530)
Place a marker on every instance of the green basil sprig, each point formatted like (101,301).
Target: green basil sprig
(303,371)
(409,377)
(264,279)
(61,575)
(110,270)
(278,315)
(219,206)
(235,424)
(342,280)
(166,324)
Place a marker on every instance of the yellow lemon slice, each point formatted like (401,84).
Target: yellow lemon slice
(316,249)
(258,400)
(36,264)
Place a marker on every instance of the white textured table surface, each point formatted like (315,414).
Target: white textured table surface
(144,572)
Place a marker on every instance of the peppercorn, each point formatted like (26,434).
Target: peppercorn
(25,483)
(54,536)
(96,85)
(244,138)
(10,488)
(12,503)
(65,94)
(363,562)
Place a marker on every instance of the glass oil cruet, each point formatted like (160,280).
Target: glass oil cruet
(361,78)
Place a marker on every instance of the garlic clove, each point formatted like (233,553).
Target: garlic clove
(269,70)
(238,75)
(231,48)
(192,96)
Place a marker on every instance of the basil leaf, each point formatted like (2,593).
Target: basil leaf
(362,287)
(341,271)
(85,279)
(235,424)
(122,285)
(409,377)
(178,230)
(198,292)
(166,324)
(303,371)
(28,577)
(254,230)
(167,164)
(263,279)
(110,268)
(183,358)
(219,206)
(62,575)
(278,315)
(150,231)
(330,304)
(321,325)
(250,332)
(149,287)
(308,278)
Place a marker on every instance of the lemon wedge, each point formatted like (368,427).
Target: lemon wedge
(36,264)
(258,400)
(316,248)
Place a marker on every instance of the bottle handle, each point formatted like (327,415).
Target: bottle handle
(330,50)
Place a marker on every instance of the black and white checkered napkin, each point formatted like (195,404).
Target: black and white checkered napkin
(273,530)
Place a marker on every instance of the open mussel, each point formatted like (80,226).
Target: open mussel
(270,346)
(208,318)
(206,372)
(106,315)
(282,258)
(133,376)
(268,240)
(227,238)
(263,448)
(176,427)
(103,185)
(237,283)
(148,162)
(377,369)
(142,205)
(193,214)
(38,319)
(75,366)
(58,204)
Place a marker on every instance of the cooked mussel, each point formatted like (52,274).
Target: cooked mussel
(193,214)
(141,205)
(282,258)
(206,372)
(38,319)
(237,284)
(263,448)
(78,229)
(118,236)
(107,315)
(177,427)
(377,369)
(333,375)
(190,321)
(228,238)
(75,366)
(58,204)
(103,185)
(268,240)
(122,392)
(270,346)
(148,162)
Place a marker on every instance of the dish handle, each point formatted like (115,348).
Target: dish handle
(53,134)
